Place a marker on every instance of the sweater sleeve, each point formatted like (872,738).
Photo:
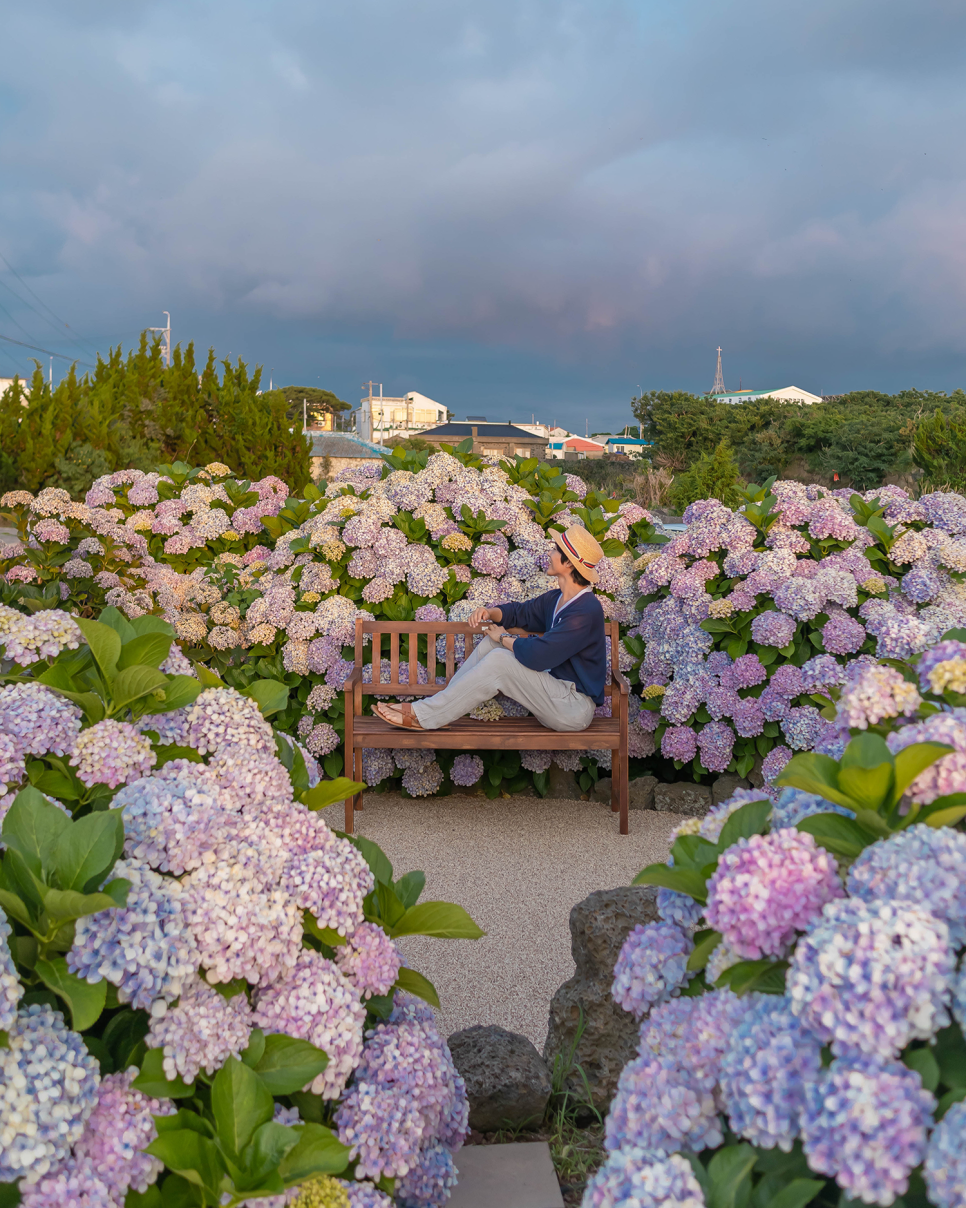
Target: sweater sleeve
(567,638)
(530,614)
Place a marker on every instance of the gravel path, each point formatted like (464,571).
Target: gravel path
(517,865)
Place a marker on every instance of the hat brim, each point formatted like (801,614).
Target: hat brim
(590,575)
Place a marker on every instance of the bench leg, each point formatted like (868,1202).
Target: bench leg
(354,803)
(619,793)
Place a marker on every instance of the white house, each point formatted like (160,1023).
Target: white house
(380,419)
(633,446)
(788,394)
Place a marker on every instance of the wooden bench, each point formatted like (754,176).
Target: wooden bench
(406,642)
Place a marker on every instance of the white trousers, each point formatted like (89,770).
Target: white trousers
(491,669)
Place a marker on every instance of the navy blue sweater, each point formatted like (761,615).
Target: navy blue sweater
(572,648)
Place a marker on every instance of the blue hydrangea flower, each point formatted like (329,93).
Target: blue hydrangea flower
(678,908)
(652,966)
(145,948)
(11,991)
(48,1088)
(923,864)
(429,1183)
(945,1166)
(635,1177)
(959,996)
(871,976)
(661,1105)
(766,1071)
(795,804)
(865,1123)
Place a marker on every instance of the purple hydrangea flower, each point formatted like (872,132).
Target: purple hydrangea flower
(749,718)
(370,960)
(773,629)
(869,977)
(842,634)
(405,1094)
(117,1132)
(865,1123)
(429,1182)
(202,1031)
(652,966)
(716,742)
(679,742)
(317,1003)
(874,694)
(694,1033)
(38,720)
(768,887)
(787,680)
(747,671)
(466,770)
(773,763)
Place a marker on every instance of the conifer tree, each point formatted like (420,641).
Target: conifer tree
(133,412)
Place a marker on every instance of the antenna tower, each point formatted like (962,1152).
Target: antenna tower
(719,386)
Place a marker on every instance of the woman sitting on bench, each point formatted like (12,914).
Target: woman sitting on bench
(558,676)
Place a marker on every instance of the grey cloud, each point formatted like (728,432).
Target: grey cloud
(582,181)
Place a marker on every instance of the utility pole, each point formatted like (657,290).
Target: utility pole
(370,400)
(51,377)
(304,415)
(166,339)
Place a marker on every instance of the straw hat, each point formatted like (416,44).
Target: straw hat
(581,550)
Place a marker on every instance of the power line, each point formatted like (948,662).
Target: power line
(37,348)
(60,321)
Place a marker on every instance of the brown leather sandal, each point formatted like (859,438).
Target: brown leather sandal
(409,720)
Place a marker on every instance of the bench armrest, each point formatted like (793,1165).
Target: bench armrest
(619,678)
(355,677)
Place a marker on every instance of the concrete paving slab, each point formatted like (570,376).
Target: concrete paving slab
(520,1175)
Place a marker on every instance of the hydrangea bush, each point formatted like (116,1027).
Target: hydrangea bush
(202,996)
(262,585)
(803,998)
(751,617)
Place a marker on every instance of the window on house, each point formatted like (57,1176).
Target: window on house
(522,452)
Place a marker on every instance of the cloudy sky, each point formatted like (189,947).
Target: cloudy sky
(515,207)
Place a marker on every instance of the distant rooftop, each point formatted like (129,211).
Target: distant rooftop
(460,431)
(343,444)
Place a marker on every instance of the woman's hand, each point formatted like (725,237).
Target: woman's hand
(494,631)
(478,616)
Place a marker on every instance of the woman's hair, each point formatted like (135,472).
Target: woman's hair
(578,577)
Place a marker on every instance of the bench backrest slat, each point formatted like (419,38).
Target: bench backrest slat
(449,630)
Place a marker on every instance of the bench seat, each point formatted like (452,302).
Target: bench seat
(512,733)
(413,647)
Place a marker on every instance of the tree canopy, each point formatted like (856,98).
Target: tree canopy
(861,437)
(133,412)
(318,402)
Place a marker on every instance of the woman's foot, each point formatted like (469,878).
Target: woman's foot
(398,715)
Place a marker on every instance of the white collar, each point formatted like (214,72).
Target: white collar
(558,607)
